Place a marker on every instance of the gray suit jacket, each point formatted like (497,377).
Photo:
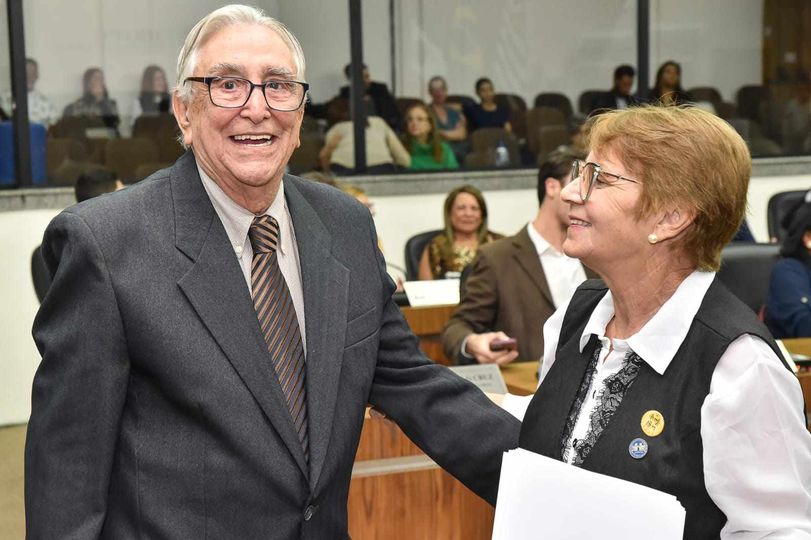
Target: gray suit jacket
(156,411)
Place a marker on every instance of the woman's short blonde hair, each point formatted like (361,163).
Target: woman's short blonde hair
(224,17)
(682,156)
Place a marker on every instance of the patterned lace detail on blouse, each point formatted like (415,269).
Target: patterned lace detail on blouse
(608,401)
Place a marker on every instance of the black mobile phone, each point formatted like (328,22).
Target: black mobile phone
(504,344)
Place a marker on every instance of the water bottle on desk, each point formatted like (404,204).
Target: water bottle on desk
(502,154)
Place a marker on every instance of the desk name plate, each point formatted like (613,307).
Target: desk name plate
(486,376)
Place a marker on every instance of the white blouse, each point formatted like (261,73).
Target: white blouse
(757,449)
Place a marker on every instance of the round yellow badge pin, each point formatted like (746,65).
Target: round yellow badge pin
(653,423)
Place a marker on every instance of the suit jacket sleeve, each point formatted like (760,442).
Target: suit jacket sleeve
(79,389)
(476,312)
(449,418)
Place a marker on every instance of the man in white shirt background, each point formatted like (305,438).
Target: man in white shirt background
(40,108)
(517,282)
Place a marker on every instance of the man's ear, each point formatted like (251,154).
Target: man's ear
(552,187)
(181,111)
(673,222)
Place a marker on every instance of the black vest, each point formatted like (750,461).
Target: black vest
(674,462)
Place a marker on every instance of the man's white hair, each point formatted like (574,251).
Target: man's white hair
(222,18)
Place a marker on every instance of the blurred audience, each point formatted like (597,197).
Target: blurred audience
(619,97)
(796,120)
(384,151)
(423,142)
(487,113)
(40,108)
(95,100)
(154,98)
(788,308)
(449,252)
(667,90)
(450,121)
(518,282)
(377,95)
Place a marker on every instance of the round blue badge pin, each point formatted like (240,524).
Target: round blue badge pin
(638,448)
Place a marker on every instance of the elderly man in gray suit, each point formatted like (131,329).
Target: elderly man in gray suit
(214,333)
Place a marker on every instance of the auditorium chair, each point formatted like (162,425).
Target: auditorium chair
(749,99)
(745,270)
(461,100)
(155,126)
(403,104)
(485,140)
(586,99)
(61,149)
(550,138)
(779,205)
(305,157)
(145,169)
(125,155)
(413,252)
(555,100)
(541,117)
(706,93)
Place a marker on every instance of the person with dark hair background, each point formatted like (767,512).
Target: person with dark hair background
(487,113)
(154,98)
(95,100)
(788,311)
(382,102)
(619,97)
(667,90)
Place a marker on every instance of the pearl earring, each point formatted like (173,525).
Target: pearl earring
(652,238)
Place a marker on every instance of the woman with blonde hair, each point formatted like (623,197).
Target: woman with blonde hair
(465,217)
(657,374)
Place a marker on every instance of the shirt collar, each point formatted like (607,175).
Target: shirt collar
(237,220)
(540,243)
(659,340)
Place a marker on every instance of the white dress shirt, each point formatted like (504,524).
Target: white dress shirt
(563,273)
(237,221)
(757,450)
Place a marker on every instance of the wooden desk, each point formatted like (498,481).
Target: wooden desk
(397,492)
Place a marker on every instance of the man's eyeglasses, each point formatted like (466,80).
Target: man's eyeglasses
(591,175)
(234,92)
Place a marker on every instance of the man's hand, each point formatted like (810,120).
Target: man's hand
(478,346)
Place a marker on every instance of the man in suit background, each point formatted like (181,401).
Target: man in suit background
(214,333)
(517,282)
(619,97)
(380,102)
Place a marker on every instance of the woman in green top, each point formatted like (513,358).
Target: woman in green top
(422,140)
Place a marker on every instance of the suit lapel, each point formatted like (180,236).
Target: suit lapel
(326,287)
(527,257)
(216,288)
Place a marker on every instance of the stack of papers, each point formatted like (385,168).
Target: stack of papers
(539,497)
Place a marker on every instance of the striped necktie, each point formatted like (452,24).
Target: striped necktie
(277,318)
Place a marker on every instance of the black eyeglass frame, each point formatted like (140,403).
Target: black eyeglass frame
(579,165)
(208,80)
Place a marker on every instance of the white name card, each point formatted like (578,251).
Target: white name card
(437,292)
(486,376)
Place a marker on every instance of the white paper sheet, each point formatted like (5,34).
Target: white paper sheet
(539,497)
(437,292)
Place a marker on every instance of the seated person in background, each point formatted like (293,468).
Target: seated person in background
(95,100)
(619,97)
(40,108)
(153,99)
(487,113)
(658,375)
(382,102)
(667,90)
(450,121)
(384,151)
(465,218)
(788,308)
(427,149)
(517,282)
